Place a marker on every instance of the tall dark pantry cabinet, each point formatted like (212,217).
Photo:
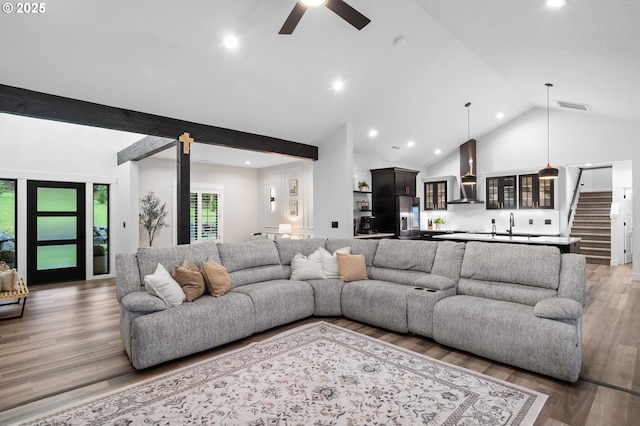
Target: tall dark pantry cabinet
(396,209)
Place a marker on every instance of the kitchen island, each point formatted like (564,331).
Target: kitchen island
(565,244)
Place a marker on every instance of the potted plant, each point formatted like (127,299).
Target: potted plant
(99,260)
(153,214)
(438,222)
(363,186)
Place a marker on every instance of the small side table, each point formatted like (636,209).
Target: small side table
(21,294)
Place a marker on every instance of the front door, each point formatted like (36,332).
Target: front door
(55,231)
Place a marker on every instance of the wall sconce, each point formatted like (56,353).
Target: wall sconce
(272,199)
(284,229)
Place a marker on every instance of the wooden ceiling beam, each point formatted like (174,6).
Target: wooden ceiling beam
(29,103)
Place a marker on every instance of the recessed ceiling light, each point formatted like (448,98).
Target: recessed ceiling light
(438,151)
(338,85)
(410,144)
(373,133)
(556,3)
(500,115)
(230,42)
(247,162)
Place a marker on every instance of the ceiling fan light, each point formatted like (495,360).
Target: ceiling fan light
(548,173)
(312,3)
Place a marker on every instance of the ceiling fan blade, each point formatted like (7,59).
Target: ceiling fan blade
(293,19)
(348,13)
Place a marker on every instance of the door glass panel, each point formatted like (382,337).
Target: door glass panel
(55,257)
(57,228)
(8,222)
(100,229)
(56,200)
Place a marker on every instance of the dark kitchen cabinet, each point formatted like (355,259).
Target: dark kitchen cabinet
(501,192)
(435,195)
(536,193)
(394,181)
(386,185)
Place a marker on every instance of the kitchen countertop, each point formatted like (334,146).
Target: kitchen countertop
(375,235)
(542,240)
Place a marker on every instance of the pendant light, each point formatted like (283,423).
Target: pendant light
(548,172)
(469,178)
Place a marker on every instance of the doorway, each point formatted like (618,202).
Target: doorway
(55,232)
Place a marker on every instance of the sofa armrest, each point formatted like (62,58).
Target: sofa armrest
(141,301)
(573,281)
(435,282)
(558,308)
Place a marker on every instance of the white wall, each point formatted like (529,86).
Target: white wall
(240,196)
(332,187)
(575,138)
(274,181)
(34,149)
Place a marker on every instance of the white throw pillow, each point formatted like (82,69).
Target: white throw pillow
(330,261)
(162,285)
(307,267)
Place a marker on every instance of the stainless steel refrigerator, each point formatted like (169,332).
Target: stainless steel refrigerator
(407,216)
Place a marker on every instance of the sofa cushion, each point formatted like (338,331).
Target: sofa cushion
(395,275)
(366,247)
(216,278)
(448,260)
(352,267)
(170,257)
(288,248)
(330,261)
(161,284)
(516,293)
(307,267)
(143,302)
(327,294)
(278,302)
(248,254)
(558,308)
(407,255)
(434,282)
(190,279)
(537,266)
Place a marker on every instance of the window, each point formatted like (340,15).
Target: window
(8,204)
(435,195)
(100,229)
(205,215)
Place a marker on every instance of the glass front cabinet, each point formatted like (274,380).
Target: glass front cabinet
(435,195)
(535,193)
(501,192)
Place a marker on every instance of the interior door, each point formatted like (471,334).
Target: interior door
(55,231)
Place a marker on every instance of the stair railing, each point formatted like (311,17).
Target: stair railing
(576,190)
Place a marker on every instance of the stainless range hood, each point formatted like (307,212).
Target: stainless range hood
(468,193)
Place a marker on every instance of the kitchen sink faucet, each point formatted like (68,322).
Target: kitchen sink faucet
(512,223)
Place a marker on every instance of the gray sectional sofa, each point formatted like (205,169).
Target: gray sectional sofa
(516,304)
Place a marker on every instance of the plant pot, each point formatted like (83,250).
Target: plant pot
(438,226)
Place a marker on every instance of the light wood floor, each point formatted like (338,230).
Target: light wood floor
(67,347)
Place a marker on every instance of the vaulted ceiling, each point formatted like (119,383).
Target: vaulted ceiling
(407,74)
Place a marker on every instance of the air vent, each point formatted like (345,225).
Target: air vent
(395,147)
(573,105)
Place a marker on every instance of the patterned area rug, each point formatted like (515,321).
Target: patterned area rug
(317,374)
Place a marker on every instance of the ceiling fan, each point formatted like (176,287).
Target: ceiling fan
(339,7)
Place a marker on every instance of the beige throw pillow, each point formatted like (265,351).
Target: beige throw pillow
(10,280)
(216,278)
(352,267)
(190,279)
(330,261)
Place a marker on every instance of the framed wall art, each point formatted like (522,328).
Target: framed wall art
(293,208)
(293,187)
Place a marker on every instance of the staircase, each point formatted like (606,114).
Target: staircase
(592,223)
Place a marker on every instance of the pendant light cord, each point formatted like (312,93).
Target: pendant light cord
(548,122)
(468,104)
